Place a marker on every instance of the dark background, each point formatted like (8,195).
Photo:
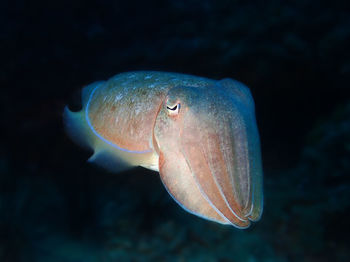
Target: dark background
(295,57)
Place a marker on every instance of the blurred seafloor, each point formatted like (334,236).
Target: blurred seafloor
(293,54)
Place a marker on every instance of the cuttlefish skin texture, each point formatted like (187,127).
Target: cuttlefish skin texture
(200,134)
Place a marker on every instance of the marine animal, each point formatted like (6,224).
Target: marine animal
(200,134)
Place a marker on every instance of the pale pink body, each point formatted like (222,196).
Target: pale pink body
(200,134)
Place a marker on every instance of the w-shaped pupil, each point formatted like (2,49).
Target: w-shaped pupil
(173,108)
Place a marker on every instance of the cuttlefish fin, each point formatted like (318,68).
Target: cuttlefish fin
(76,127)
(108,160)
(80,132)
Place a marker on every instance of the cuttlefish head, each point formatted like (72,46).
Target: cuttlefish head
(209,152)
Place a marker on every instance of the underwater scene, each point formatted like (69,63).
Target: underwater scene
(174,130)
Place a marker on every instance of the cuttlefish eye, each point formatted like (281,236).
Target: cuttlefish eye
(173,110)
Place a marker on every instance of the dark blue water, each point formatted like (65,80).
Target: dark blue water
(294,56)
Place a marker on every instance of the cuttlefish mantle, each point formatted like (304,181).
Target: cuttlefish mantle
(200,134)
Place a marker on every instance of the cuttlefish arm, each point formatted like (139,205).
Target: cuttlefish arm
(200,134)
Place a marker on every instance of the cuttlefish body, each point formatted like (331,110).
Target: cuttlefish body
(200,134)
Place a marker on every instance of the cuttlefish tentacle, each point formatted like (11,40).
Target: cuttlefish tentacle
(200,134)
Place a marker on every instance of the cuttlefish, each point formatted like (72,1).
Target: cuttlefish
(200,134)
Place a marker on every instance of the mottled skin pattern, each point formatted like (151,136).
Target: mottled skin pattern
(199,133)
(124,109)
